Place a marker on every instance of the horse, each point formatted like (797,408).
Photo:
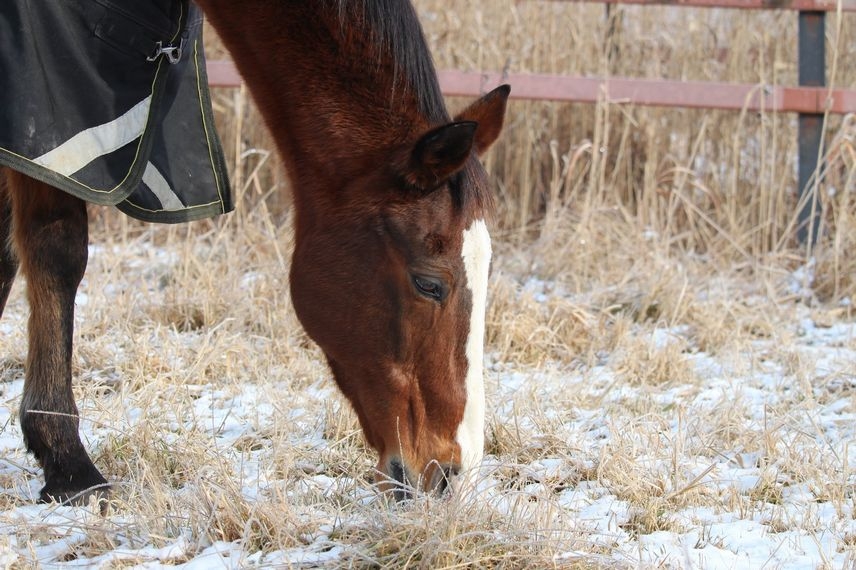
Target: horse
(389,271)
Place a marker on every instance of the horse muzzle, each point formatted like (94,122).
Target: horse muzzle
(436,479)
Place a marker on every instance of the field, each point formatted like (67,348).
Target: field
(671,378)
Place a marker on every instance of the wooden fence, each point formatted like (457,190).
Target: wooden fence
(811,99)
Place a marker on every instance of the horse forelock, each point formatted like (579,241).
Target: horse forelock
(471,194)
(397,34)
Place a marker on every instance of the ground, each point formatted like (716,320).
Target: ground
(653,445)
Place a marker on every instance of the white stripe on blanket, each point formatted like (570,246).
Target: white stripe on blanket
(86,146)
(160,188)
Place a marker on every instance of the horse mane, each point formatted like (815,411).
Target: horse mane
(397,35)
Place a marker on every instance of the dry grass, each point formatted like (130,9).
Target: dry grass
(629,240)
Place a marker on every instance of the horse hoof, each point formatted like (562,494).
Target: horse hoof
(99,495)
(98,492)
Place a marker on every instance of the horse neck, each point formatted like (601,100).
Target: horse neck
(333,101)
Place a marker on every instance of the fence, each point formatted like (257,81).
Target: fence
(810,99)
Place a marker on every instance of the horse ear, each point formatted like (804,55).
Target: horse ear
(489,113)
(440,153)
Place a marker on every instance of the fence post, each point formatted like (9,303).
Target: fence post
(812,73)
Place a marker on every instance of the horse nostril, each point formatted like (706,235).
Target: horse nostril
(439,480)
(401,487)
(443,478)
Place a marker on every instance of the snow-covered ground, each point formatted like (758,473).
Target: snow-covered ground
(741,460)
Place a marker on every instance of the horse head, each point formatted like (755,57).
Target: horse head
(394,290)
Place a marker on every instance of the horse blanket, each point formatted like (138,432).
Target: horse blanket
(108,100)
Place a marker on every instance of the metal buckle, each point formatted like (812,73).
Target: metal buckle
(172,53)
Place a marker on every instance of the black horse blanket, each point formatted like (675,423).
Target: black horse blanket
(108,100)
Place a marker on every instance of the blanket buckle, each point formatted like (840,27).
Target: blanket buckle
(171,52)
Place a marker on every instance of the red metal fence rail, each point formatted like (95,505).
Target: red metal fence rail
(811,99)
(651,92)
(796,5)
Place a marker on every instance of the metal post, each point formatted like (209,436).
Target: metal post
(812,73)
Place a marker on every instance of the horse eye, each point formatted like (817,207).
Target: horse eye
(429,287)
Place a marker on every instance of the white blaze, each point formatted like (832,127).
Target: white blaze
(476,252)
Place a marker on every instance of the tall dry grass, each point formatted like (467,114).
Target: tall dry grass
(615,222)
(587,182)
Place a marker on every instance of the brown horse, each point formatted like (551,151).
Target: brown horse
(389,272)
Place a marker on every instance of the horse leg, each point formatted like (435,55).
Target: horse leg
(8,262)
(50,236)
